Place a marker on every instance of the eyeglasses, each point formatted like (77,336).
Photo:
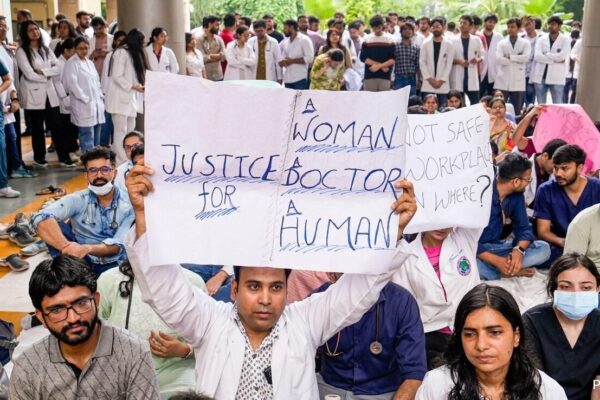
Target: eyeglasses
(94,170)
(528,180)
(59,314)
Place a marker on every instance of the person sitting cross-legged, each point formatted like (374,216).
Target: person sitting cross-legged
(99,216)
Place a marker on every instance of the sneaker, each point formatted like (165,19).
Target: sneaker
(68,164)
(22,173)
(5,230)
(21,236)
(40,163)
(22,221)
(34,248)
(51,148)
(9,192)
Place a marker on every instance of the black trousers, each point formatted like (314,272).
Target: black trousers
(516,99)
(70,133)
(50,116)
(435,343)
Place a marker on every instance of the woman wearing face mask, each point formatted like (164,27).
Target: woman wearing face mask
(441,269)
(87,100)
(564,336)
(160,57)
(240,57)
(485,359)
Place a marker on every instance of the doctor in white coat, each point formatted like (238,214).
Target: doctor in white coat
(257,346)
(512,55)
(552,53)
(127,69)
(160,57)
(436,73)
(241,60)
(69,131)
(489,65)
(466,61)
(87,100)
(272,54)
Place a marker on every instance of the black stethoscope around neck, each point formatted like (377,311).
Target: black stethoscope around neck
(90,221)
(375,347)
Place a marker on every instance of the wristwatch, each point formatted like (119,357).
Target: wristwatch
(520,250)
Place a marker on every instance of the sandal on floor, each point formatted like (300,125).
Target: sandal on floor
(47,190)
(15,263)
(59,192)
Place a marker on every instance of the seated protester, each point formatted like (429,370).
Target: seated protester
(84,357)
(455,99)
(441,269)
(382,356)
(543,167)
(496,256)
(501,128)
(557,202)
(583,236)
(431,104)
(485,357)
(510,109)
(99,216)
(522,136)
(327,72)
(132,140)
(265,349)
(563,337)
(121,305)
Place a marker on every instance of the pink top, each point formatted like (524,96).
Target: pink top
(302,283)
(433,254)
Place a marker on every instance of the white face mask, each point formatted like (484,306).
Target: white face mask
(101,190)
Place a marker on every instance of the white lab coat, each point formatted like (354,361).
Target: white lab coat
(104,78)
(439,298)
(576,55)
(511,72)
(490,65)
(168,61)
(555,58)
(272,58)
(83,84)
(445,60)
(120,97)
(61,91)
(34,88)
(208,325)
(194,63)
(241,62)
(458,71)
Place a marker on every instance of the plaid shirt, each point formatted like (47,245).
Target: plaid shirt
(407,59)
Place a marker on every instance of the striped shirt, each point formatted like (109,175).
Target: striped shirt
(379,49)
(121,368)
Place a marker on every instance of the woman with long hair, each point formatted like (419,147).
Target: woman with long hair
(124,98)
(501,128)
(334,41)
(241,60)
(38,95)
(160,57)
(485,358)
(65,30)
(194,60)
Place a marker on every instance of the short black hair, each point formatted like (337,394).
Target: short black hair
(425,19)
(513,166)
(98,152)
(209,20)
(313,20)
(376,21)
(291,23)
(137,151)
(407,26)
(83,14)
(451,25)
(237,269)
(392,14)
(81,39)
(229,20)
(486,99)
(555,18)
(476,19)
(417,109)
(538,22)
(98,21)
(569,153)
(267,16)
(259,23)
(489,17)
(415,100)
(551,147)
(247,21)
(467,18)
(51,275)
(439,20)
(191,395)
(516,21)
(354,25)
(567,262)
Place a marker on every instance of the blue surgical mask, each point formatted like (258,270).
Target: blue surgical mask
(575,305)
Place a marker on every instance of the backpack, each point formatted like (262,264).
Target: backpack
(8,341)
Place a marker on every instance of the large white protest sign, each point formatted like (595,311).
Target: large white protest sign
(449,161)
(272,177)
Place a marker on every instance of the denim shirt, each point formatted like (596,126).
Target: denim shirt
(90,222)
(515,210)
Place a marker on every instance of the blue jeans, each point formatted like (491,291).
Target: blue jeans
(3,167)
(67,232)
(208,271)
(541,92)
(107,130)
(570,91)
(536,254)
(13,161)
(299,85)
(89,136)
(400,81)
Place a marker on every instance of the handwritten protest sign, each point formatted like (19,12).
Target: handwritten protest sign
(449,161)
(571,123)
(272,177)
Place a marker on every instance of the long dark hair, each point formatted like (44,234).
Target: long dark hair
(26,42)
(522,381)
(69,24)
(126,286)
(328,45)
(155,33)
(134,45)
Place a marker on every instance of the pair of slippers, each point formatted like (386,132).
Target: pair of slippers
(15,263)
(58,192)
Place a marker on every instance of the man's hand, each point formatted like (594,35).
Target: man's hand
(405,205)
(515,262)
(139,185)
(375,67)
(76,250)
(215,283)
(165,346)
(502,263)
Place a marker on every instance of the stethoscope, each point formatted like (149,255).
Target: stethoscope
(375,347)
(90,221)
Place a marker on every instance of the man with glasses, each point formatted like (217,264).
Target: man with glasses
(99,216)
(498,257)
(84,357)
(132,140)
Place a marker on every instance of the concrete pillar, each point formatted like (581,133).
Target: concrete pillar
(111,10)
(148,14)
(588,85)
